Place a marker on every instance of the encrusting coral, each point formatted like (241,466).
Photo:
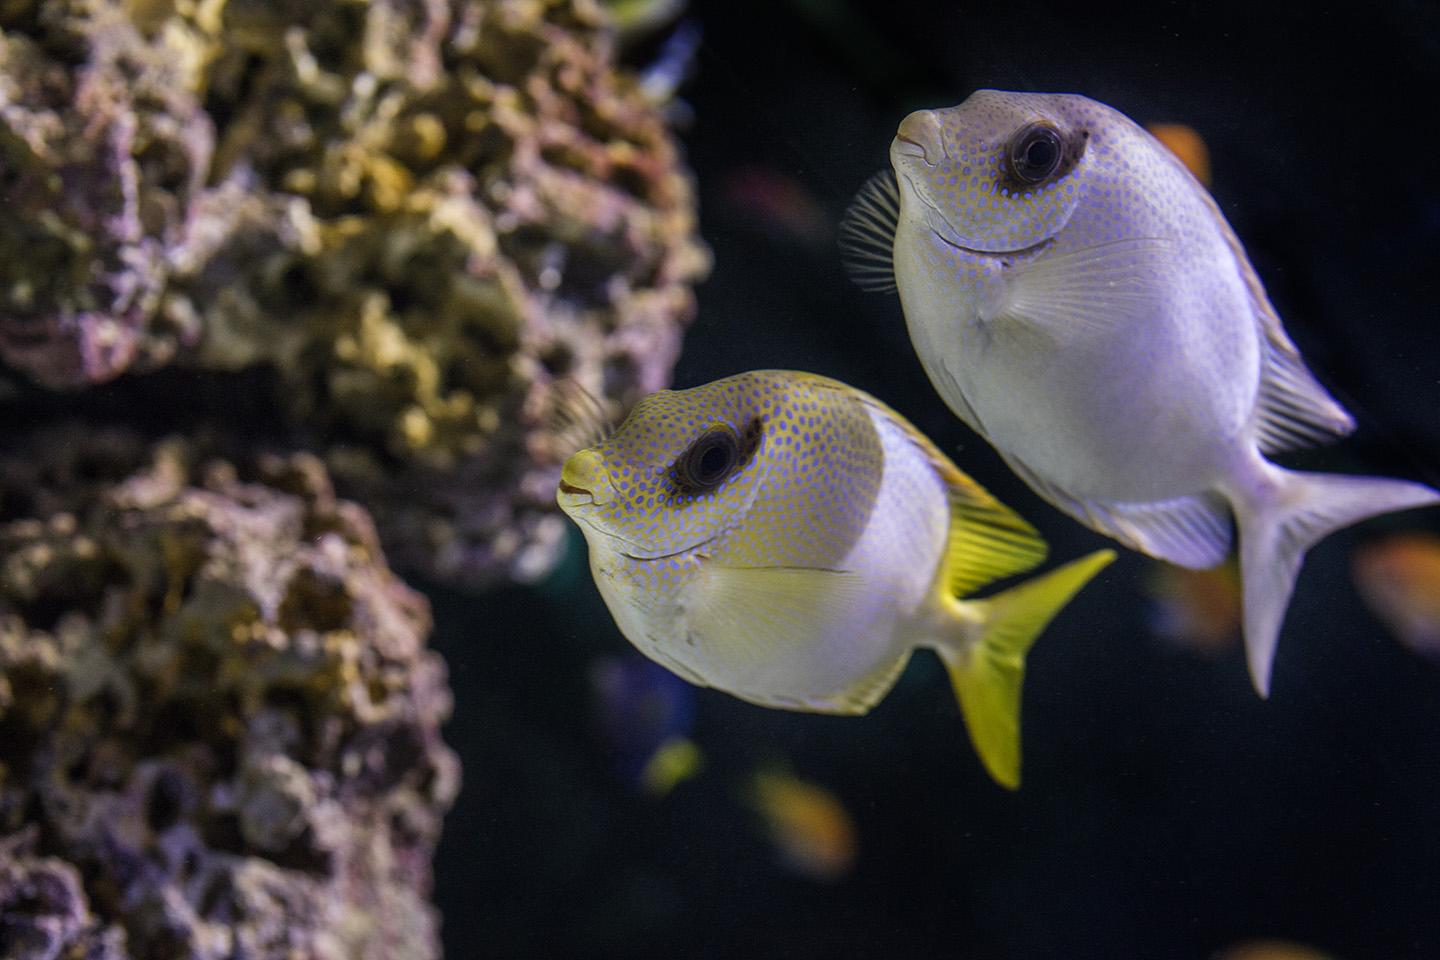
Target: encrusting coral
(420,214)
(219,723)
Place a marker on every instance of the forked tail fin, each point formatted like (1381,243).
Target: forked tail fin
(987,675)
(1275,532)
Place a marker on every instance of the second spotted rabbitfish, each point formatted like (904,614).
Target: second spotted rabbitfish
(1079,300)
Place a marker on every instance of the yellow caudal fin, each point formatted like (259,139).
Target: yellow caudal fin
(987,675)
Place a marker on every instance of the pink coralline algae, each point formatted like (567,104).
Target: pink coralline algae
(420,215)
(219,722)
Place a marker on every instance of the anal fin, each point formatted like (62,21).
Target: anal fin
(1193,531)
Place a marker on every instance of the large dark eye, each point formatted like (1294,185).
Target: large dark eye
(1034,152)
(709,460)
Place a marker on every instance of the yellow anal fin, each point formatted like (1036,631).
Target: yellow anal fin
(988,675)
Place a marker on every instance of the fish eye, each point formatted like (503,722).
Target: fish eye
(1035,153)
(709,461)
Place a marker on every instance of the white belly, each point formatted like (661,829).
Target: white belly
(1147,409)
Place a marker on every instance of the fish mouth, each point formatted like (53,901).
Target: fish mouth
(571,488)
(569,495)
(631,550)
(948,235)
(645,557)
(906,147)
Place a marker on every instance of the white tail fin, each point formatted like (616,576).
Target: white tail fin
(1275,531)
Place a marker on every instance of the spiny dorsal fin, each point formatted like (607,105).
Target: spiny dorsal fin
(1295,410)
(867,233)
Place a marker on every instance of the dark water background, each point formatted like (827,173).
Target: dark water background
(1167,812)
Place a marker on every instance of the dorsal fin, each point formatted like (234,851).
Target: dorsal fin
(867,233)
(1294,409)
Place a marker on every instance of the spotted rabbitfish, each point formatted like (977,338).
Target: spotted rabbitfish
(1078,299)
(790,540)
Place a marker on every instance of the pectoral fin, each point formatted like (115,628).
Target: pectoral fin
(1084,292)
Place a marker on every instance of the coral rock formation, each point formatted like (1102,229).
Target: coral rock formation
(219,723)
(103,152)
(421,215)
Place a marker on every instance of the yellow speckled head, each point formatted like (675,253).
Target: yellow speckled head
(997,172)
(768,466)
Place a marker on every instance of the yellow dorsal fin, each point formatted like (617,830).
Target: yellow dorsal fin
(988,540)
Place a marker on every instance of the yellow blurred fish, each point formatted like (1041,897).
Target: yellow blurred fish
(790,540)
(1078,299)
(1399,577)
(812,829)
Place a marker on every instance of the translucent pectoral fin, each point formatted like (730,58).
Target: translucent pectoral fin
(1085,292)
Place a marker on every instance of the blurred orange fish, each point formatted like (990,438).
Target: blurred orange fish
(1186,144)
(812,830)
(778,203)
(1198,610)
(1399,578)
(1271,950)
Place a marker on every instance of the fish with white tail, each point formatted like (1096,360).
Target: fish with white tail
(1078,299)
(791,540)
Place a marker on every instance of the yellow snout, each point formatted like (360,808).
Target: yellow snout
(584,480)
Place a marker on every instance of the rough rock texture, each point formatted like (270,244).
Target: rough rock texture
(103,153)
(421,213)
(219,724)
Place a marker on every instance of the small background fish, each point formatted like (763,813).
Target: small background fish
(1169,788)
(644,714)
(1197,610)
(1399,577)
(808,824)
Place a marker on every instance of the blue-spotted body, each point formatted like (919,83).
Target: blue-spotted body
(1077,298)
(790,540)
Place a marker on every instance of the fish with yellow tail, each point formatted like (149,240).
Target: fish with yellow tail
(791,540)
(1078,299)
